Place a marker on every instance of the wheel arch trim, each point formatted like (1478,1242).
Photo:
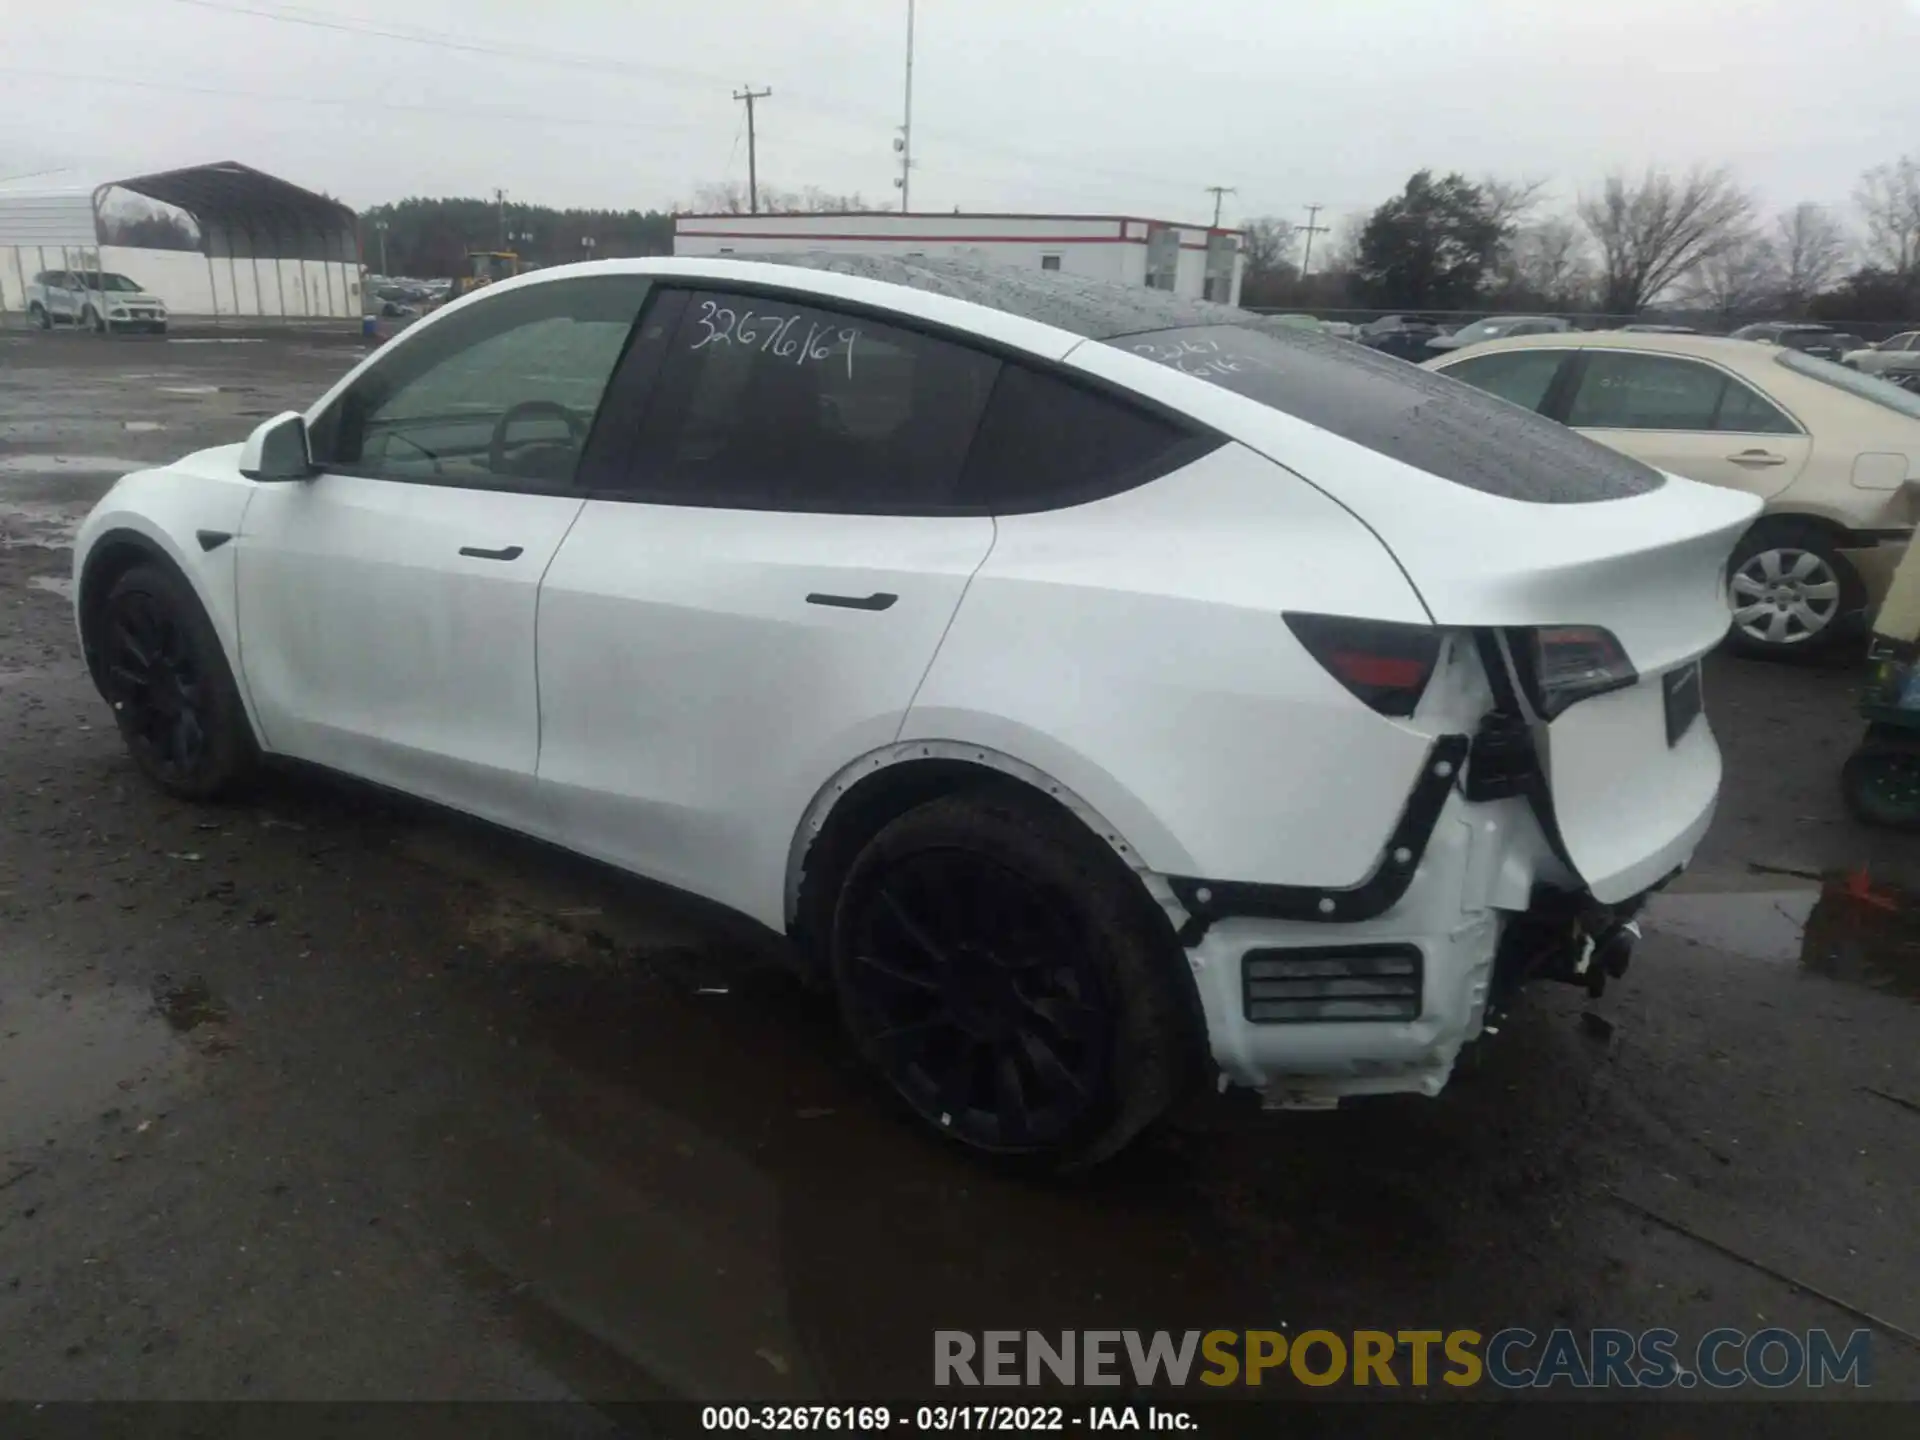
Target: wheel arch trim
(125,532)
(842,783)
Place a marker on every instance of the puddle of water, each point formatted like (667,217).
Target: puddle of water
(71,1056)
(45,527)
(188,1004)
(61,585)
(68,465)
(1849,929)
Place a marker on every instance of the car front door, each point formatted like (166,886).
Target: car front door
(387,605)
(755,605)
(63,297)
(1686,416)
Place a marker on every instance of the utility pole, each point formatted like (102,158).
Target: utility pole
(500,199)
(381,226)
(904,144)
(1310,229)
(1219,193)
(753,161)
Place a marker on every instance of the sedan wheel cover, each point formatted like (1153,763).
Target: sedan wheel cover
(1785,596)
(156,685)
(972,990)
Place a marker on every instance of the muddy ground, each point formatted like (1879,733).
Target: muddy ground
(328,1095)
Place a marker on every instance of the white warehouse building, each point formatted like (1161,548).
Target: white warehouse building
(1198,262)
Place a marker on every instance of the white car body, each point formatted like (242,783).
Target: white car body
(85,297)
(646,683)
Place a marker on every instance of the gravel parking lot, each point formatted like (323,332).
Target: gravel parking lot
(326,1094)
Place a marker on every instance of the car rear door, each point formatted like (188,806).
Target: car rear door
(754,602)
(1687,416)
(387,605)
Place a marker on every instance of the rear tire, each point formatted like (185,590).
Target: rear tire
(90,318)
(1793,593)
(1011,980)
(161,666)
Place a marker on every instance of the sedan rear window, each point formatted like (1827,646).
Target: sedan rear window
(1868,387)
(1413,415)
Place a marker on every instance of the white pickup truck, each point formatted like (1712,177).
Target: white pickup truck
(98,299)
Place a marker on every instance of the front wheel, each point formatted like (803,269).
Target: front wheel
(161,667)
(1791,590)
(1012,983)
(90,318)
(39,316)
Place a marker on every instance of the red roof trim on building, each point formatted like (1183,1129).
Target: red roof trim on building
(920,239)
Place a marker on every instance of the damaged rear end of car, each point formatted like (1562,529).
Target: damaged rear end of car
(1570,771)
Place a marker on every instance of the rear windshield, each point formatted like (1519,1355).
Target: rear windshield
(1868,387)
(1445,427)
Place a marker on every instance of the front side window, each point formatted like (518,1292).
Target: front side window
(1645,392)
(1520,377)
(765,404)
(494,396)
(1902,342)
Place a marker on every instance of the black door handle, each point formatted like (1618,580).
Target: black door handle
(879,600)
(512,552)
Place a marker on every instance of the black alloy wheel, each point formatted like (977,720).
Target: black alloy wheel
(160,665)
(974,991)
(157,686)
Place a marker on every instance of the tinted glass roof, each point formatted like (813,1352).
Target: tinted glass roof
(1096,309)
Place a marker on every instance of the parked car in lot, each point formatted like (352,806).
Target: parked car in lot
(929,613)
(1834,455)
(1821,340)
(1402,336)
(1498,327)
(93,300)
(1896,359)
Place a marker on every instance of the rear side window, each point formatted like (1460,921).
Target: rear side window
(1625,391)
(763,404)
(1520,377)
(1046,441)
(1401,411)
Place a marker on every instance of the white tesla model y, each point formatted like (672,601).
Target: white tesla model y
(1104,694)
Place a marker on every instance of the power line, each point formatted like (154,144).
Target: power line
(626,69)
(749,94)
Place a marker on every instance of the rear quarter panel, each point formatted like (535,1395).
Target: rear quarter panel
(1134,649)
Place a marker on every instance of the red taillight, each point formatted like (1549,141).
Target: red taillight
(1384,664)
(1562,664)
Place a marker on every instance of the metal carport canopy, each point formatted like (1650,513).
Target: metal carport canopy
(232,196)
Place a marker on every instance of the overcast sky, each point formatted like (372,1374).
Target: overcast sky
(1050,105)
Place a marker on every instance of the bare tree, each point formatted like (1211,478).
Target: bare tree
(1657,231)
(1810,248)
(1510,202)
(1740,279)
(730,198)
(1889,201)
(1547,265)
(1268,243)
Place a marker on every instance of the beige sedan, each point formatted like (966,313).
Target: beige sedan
(1834,453)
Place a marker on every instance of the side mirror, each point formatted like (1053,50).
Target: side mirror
(277,449)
